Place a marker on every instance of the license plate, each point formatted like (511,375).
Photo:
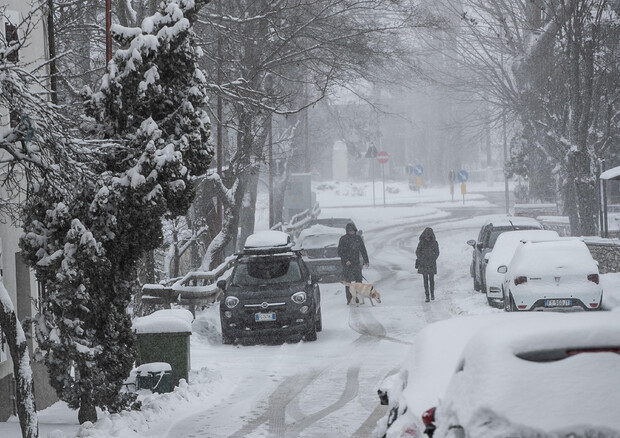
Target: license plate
(326,268)
(259,317)
(558,303)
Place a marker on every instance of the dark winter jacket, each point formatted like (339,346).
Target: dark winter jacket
(350,247)
(427,253)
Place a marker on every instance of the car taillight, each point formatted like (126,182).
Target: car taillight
(520,280)
(428,417)
(593,278)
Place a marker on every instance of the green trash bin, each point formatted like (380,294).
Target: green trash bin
(156,377)
(163,336)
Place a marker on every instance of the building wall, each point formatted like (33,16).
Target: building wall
(18,279)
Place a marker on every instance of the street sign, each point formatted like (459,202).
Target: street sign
(371,152)
(452,176)
(383,157)
(418,170)
(462,176)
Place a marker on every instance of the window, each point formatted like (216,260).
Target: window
(10,33)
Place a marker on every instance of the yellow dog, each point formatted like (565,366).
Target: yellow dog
(362,290)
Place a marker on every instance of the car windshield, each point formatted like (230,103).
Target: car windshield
(255,271)
(320,241)
(497,231)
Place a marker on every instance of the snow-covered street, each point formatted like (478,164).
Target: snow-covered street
(326,388)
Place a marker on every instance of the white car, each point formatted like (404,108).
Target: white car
(552,377)
(552,275)
(503,251)
(423,377)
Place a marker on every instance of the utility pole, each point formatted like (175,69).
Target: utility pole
(52,51)
(108,36)
(219,118)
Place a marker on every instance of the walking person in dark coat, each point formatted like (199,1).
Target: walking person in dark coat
(350,247)
(426,262)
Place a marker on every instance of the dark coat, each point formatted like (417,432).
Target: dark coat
(427,253)
(350,247)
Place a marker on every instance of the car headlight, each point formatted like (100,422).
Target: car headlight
(299,297)
(231,302)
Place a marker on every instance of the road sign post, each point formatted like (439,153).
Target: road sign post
(462,176)
(372,153)
(452,179)
(383,157)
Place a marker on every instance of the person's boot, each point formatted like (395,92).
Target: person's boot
(427,300)
(432,295)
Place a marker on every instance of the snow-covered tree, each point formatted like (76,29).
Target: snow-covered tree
(150,138)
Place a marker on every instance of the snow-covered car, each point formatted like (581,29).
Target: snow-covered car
(319,247)
(503,251)
(547,378)
(492,228)
(552,275)
(270,292)
(430,363)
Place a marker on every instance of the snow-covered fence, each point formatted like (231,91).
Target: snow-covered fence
(560,224)
(606,252)
(196,288)
(299,221)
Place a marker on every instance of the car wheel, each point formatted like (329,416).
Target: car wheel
(227,339)
(513,307)
(507,303)
(319,322)
(310,334)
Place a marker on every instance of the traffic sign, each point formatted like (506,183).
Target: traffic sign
(383,157)
(418,169)
(462,176)
(371,152)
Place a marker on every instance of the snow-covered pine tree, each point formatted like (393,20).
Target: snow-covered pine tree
(85,247)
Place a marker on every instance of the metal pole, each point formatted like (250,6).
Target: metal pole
(52,51)
(108,36)
(383,176)
(506,190)
(219,120)
(372,167)
(270,140)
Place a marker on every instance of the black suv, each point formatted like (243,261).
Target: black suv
(270,294)
(489,232)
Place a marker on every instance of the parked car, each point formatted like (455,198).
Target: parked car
(489,232)
(505,247)
(270,292)
(552,275)
(334,222)
(319,247)
(547,378)
(420,382)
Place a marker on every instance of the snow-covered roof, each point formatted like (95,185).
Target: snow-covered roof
(513,371)
(319,229)
(165,321)
(562,255)
(507,221)
(613,173)
(433,357)
(509,241)
(267,239)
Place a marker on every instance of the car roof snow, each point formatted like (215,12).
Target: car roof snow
(507,221)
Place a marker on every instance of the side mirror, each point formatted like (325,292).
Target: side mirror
(471,242)
(221,284)
(502,269)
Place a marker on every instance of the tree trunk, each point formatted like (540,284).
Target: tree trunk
(16,339)
(87,411)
